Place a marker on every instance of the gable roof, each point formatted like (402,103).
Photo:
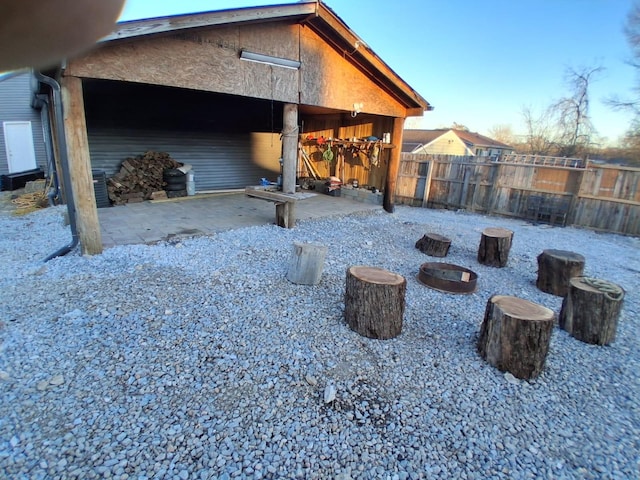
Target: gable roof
(477,140)
(313,14)
(413,139)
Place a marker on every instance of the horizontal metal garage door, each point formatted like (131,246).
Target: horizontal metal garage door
(220,161)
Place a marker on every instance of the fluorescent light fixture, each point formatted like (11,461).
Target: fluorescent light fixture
(269,60)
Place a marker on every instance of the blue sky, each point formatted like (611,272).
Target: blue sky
(479,62)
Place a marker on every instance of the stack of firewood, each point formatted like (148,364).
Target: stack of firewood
(140,178)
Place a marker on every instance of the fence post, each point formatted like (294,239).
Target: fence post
(491,198)
(427,184)
(476,189)
(465,186)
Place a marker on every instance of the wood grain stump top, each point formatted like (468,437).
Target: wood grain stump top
(376,275)
(497,232)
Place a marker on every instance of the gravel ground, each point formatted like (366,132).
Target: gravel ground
(196,358)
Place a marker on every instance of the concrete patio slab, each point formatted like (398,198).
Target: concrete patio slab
(154,221)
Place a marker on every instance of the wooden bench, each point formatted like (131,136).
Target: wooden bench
(285,202)
(549,209)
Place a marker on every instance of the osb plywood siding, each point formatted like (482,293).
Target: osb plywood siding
(328,79)
(206,60)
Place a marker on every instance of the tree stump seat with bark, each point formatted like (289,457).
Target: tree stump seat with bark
(495,244)
(515,335)
(590,310)
(374,301)
(434,245)
(556,268)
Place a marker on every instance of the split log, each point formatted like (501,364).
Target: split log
(556,268)
(515,335)
(374,301)
(306,263)
(434,245)
(141,174)
(590,310)
(495,245)
(159,195)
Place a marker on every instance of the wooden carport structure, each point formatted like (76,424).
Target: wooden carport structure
(301,56)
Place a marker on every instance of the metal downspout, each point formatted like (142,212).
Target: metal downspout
(64,162)
(54,192)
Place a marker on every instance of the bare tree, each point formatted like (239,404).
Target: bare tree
(564,128)
(460,126)
(631,141)
(503,133)
(539,136)
(573,124)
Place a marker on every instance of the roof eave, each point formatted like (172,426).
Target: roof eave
(153,26)
(352,46)
(314,14)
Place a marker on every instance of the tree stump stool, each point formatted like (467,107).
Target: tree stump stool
(374,301)
(515,335)
(306,263)
(590,310)
(434,245)
(556,268)
(495,245)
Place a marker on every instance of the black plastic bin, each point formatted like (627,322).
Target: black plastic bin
(14,181)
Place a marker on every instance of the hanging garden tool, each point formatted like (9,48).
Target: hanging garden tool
(374,155)
(327,156)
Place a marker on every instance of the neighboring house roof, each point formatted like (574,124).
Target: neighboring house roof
(313,14)
(413,139)
(477,140)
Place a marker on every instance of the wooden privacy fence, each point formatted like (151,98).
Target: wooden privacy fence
(601,197)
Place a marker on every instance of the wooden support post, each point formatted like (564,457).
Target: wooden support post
(286,214)
(289,147)
(75,127)
(306,263)
(515,335)
(590,310)
(556,268)
(495,245)
(434,245)
(374,301)
(394,166)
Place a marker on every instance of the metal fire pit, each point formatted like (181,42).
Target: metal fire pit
(447,277)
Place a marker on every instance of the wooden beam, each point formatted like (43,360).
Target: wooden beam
(269,195)
(289,147)
(75,128)
(394,165)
